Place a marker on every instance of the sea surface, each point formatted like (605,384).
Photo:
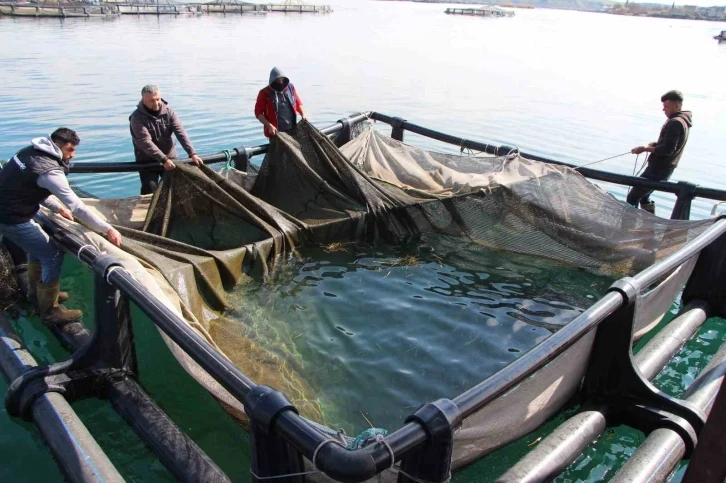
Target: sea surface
(573,86)
(433,317)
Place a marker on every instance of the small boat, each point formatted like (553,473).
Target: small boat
(720,37)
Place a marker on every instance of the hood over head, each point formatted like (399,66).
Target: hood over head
(276,74)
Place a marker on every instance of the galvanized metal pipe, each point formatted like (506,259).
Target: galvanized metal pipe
(563,446)
(78,454)
(663,449)
(668,341)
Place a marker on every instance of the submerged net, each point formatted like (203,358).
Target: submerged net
(209,234)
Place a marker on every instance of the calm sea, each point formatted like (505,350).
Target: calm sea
(573,86)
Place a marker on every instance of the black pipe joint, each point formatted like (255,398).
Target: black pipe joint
(22,394)
(682,207)
(432,461)
(102,264)
(346,131)
(613,378)
(242,158)
(687,189)
(263,404)
(397,128)
(505,150)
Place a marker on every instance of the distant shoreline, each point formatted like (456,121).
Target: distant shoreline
(656,15)
(494,2)
(675,16)
(463,2)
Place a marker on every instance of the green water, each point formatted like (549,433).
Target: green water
(375,331)
(203,419)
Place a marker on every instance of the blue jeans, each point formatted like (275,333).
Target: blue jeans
(31,237)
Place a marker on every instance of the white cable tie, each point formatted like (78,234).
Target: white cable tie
(110,271)
(78,254)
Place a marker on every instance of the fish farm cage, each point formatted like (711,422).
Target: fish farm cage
(509,200)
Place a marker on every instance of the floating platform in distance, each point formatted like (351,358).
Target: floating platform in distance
(57,11)
(25,9)
(157,9)
(297,8)
(233,7)
(485,11)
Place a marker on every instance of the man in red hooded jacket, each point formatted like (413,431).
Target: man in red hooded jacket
(278,104)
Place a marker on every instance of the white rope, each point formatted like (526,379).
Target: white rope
(320,446)
(282,476)
(315,465)
(601,160)
(381,439)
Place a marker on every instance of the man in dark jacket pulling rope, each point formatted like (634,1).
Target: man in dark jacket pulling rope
(28,180)
(666,152)
(152,125)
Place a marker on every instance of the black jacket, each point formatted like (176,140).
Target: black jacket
(671,142)
(21,196)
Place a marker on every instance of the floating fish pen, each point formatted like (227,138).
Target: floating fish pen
(494,256)
(157,9)
(485,11)
(299,7)
(57,11)
(232,7)
(152,8)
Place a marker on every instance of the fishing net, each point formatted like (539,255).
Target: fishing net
(206,233)
(10,293)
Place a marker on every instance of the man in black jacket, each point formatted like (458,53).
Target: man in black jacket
(153,124)
(666,152)
(28,180)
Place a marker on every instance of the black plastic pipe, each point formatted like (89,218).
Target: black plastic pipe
(179,453)
(80,457)
(671,262)
(357,465)
(499,383)
(132,167)
(179,331)
(218,366)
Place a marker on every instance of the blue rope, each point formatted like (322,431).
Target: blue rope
(228,155)
(365,438)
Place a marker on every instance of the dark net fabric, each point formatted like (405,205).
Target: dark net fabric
(9,291)
(206,232)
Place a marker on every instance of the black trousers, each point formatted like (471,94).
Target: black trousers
(149,179)
(641,194)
